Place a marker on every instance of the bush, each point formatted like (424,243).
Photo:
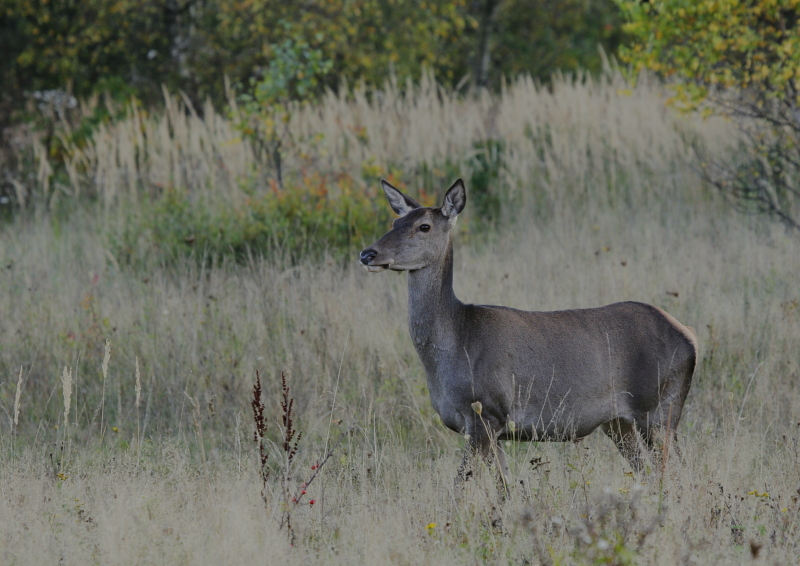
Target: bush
(313,214)
(739,60)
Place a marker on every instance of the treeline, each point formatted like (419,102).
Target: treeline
(134,47)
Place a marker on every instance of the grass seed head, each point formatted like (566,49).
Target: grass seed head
(138,384)
(66,383)
(106,358)
(17,398)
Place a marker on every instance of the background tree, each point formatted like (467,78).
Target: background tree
(136,46)
(542,37)
(741,60)
(58,53)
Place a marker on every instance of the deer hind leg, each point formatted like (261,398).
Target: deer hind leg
(632,443)
(662,429)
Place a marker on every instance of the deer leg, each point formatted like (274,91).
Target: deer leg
(665,443)
(482,443)
(663,421)
(466,469)
(492,453)
(676,447)
(630,442)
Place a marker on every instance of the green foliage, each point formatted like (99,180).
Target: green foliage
(87,46)
(82,45)
(762,177)
(58,55)
(741,60)
(294,74)
(717,44)
(539,38)
(312,216)
(482,169)
(367,39)
(486,191)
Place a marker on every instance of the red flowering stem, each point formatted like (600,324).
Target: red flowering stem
(301,491)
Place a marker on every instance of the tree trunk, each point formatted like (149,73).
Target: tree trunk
(485,11)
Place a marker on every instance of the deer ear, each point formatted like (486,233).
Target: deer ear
(402,204)
(454,200)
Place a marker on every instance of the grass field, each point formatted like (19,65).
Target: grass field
(596,201)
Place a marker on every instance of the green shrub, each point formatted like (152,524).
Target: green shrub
(311,215)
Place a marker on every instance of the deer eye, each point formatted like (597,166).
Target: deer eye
(424,227)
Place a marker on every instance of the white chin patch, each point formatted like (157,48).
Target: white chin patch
(375,268)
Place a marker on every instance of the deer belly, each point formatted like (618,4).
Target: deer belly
(566,420)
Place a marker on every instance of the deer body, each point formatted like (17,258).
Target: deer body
(626,367)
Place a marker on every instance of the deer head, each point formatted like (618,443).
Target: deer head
(420,237)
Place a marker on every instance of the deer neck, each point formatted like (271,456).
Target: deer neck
(433,307)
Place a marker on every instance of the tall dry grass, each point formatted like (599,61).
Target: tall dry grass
(608,209)
(577,136)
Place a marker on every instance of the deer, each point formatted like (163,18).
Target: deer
(497,373)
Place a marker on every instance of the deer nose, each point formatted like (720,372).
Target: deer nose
(367,256)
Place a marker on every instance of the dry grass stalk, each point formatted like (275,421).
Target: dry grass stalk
(17,398)
(106,358)
(66,384)
(138,390)
(197,420)
(546,130)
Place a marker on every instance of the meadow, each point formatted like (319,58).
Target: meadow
(132,336)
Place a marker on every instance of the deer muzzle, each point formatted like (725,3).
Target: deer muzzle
(368,256)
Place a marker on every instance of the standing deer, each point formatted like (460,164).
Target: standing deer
(498,373)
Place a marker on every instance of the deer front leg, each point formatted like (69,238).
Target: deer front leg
(482,442)
(465,470)
(502,469)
